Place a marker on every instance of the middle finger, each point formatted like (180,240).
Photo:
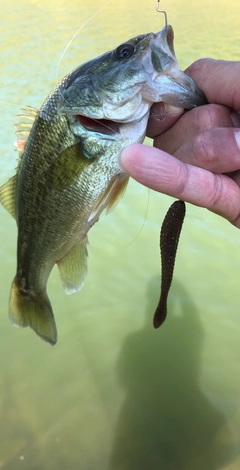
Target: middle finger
(193,123)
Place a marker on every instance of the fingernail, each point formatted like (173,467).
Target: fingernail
(161,110)
(235,116)
(158,111)
(237,138)
(170,110)
(120,161)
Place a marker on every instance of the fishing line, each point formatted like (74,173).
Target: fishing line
(135,236)
(162,118)
(103,124)
(73,37)
(143,223)
(11,104)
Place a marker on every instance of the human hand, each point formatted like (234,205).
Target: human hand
(199,160)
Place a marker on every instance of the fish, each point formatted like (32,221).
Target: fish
(68,170)
(169,239)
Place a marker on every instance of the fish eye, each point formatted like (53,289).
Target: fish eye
(125,51)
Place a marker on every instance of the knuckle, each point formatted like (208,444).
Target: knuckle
(198,67)
(182,178)
(205,150)
(211,116)
(217,193)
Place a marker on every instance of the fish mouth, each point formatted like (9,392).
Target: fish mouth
(105,126)
(174,86)
(99,126)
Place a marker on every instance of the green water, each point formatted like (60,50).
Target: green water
(114,394)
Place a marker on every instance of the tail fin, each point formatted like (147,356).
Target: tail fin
(34,310)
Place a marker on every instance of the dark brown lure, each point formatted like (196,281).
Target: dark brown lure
(169,238)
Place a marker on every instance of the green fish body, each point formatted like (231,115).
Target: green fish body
(68,170)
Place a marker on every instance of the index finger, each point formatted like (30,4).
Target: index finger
(162,172)
(218,79)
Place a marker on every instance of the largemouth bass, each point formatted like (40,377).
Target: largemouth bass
(68,170)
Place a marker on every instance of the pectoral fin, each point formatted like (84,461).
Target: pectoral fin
(73,268)
(111,195)
(66,168)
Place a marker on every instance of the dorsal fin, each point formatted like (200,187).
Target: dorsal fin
(26,119)
(22,129)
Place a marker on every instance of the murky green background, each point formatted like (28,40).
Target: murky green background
(114,394)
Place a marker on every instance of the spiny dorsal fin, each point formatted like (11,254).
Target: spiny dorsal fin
(23,127)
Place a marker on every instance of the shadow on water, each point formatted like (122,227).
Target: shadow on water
(166,422)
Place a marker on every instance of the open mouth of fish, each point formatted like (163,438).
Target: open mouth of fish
(107,126)
(101,126)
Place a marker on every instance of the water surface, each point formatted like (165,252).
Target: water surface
(114,393)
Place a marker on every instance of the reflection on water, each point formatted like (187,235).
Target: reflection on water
(114,393)
(166,421)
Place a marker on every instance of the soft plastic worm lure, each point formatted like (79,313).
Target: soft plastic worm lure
(169,238)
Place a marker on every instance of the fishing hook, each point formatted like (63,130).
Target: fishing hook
(161,11)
